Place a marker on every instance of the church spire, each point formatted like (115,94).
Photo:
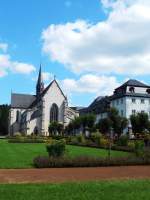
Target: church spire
(40,84)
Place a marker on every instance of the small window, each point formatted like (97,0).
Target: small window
(133,112)
(148,91)
(131,89)
(133,100)
(142,100)
(117,101)
(121,112)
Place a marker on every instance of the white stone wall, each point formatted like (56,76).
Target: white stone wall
(126,105)
(140,90)
(120,105)
(137,106)
(53,95)
(14,126)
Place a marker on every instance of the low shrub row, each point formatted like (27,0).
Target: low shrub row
(84,161)
(26,140)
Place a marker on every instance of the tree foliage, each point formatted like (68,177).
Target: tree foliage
(4,119)
(84,121)
(140,122)
(113,120)
(55,128)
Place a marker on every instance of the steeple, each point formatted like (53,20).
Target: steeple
(40,84)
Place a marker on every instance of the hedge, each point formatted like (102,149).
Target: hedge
(84,161)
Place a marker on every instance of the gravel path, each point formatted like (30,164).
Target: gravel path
(59,175)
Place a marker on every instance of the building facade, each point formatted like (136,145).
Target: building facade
(33,113)
(130,98)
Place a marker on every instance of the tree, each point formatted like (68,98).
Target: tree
(113,120)
(4,119)
(104,125)
(84,121)
(55,128)
(139,122)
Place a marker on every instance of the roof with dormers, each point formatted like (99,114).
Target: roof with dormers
(134,83)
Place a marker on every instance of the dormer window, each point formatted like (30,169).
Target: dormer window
(148,91)
(131,89)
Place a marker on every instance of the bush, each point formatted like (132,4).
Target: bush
(56,148)
(104,143)
(139,148)
(96,138)
(85,161)
(80,139)
(131,144)
(26,140)
(123,140)
(17,135)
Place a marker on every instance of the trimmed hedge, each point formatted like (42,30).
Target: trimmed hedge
(84,161)
(26,140)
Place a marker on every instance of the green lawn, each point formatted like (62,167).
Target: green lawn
(104,190)
(21,155)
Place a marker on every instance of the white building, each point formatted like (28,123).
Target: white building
(33,113)
(130,98)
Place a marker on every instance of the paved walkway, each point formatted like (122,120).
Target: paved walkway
(59,175)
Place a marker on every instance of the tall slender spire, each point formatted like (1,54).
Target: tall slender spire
(40,84)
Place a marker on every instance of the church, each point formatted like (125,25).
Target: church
(33,113)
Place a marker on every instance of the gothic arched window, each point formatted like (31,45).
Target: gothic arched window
(54,113)
(17,116)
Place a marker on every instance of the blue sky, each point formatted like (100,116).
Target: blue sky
(90,46)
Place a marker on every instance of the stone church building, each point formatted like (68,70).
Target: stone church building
(33,113)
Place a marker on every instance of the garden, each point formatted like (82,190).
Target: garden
(104,145)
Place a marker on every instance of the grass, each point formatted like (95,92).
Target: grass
(20,155)
(104,190)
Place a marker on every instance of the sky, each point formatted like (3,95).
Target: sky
(91,46)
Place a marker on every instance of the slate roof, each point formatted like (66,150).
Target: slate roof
(99,105)
(135,83)
(21,100)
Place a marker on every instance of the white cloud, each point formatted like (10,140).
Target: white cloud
(7,65)
(99,85)
(22,68)
(118,45)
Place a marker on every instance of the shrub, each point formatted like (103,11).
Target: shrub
(25,140)
(87,161)
(80,139)
(131,144)
(56,148)
(104,142)
(139,148)
(17,135)
(123,140)
(96,138)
